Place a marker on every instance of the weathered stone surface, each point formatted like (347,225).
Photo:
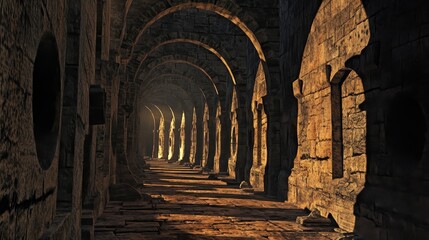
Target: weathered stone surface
(193,142)
(322,103)
(218,133)
(206,136)
(199,208)
(327,175)
(260,151)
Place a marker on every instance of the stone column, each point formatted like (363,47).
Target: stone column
(206,136)
(272,107)
(193,139)
(260,126)
(218,142)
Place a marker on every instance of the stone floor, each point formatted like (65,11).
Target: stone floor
(181,203)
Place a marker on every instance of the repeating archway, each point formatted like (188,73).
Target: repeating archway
(136,64)
(159,92)
(205,86)
(230,11)
(218,78)
(190,64)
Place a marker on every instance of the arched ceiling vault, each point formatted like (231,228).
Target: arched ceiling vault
(216,72)
(166,96)
(172,90)
(136,64)
(200,98)
(156,10)
(197,67)
(163,96)
(174,80)
(171,95)
(140,39)
(192,77)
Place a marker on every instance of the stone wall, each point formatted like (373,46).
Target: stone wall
(327,176)
(393,68)
(260,152)
(33,210)
(33,186)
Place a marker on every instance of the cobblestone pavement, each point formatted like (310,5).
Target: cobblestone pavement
(181,203)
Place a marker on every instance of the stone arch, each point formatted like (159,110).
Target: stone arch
(191,39)
(205,87)
(161,134)
(208,92)
(193,92)
(347,94)
(209,75)
(172,137)
(218,78)
(319,96)
(153,131)
(260,153)
(228,10)
(164,130)
(157,116)
(173,100)
(348,129)
(175,93)
(147,120)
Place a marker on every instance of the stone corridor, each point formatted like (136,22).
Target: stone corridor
(301,119)
(182,203)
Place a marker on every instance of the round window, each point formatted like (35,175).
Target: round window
(46,100)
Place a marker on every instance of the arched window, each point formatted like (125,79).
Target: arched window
(348,120)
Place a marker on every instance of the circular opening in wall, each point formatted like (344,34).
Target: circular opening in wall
(46,99)
(114,135)
(405,129)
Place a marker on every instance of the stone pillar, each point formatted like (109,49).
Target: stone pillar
(260,126)
(206,136)
(238,147)
(166,138)
(175,138)
(272,108)
(188,131)
(122,133)
(182,145)
(161,137)
(218,137)
(193,140)
(176,151)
